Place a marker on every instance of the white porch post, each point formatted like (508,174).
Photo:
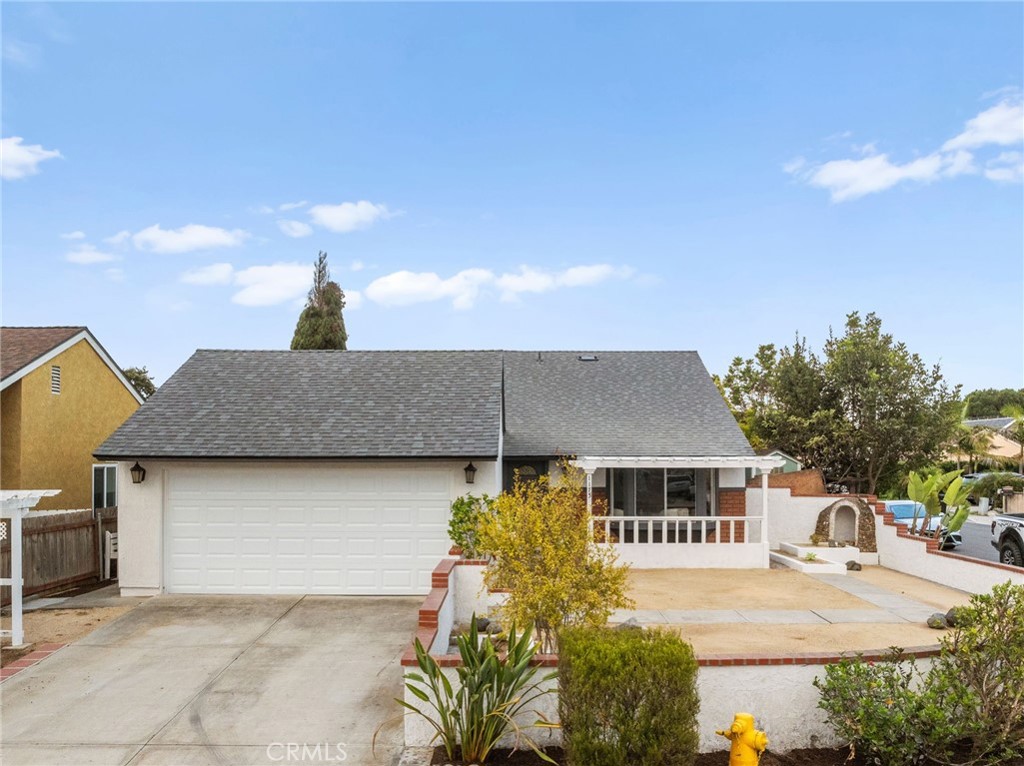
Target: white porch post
(590,492)
(764,511)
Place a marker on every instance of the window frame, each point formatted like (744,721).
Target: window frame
(109,474)
(712,489)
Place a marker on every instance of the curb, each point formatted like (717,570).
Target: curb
(34,657)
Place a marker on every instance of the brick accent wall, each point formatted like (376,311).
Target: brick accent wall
(732,502)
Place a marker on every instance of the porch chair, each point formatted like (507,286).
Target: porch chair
(109,552)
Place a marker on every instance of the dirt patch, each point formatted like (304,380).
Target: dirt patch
(59,626)
(735,589)
(789,639)
(925,591)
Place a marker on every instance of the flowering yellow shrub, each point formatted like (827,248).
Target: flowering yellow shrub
(544,556)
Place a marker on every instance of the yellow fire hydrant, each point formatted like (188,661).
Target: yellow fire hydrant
(747,742)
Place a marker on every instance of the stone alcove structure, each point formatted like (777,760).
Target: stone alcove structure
(848,520)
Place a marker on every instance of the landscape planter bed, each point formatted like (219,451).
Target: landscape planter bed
(811,757)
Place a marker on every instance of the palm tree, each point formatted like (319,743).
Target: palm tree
(1016,412)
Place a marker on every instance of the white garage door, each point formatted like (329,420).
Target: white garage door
(301,529)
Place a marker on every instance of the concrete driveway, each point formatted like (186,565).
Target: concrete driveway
(218,680)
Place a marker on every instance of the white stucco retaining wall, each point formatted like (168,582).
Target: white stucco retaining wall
(791,519)
(783,699)
(911,557)
(471,597)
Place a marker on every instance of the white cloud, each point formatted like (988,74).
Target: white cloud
(214,274)
(18,160)
(1002,124)
(119,239)
(86,254)
(848,179)
(404,288)
(357,266)
(73,235)
(292,205)
(270,285)
(20,53)
(187,238)
(1008,167)
(295,228)
(348,216)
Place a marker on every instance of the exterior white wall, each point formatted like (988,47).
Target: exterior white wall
(782,698)
(470,597)
(445,622)
(911,557)
(732,478)
(139,530)
(695,556)
(141,507)
(791,519)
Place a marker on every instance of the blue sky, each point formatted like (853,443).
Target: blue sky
(518,176)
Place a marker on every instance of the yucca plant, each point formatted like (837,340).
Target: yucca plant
(492,691)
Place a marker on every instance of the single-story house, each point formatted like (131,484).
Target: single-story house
(61,396)
(333,471)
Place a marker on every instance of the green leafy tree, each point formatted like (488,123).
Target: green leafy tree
(864,412)
(321,324)
(989,402)
(1016,411)
(141,379)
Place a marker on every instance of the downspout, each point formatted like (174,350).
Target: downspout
(499,468)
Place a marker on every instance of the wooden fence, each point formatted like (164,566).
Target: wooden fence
(62,549)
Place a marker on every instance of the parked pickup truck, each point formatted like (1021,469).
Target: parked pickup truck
(1008,538)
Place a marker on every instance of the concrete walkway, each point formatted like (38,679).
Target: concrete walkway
(888,608)
(218,680)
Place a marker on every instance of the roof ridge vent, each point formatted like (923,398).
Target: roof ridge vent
(587,358)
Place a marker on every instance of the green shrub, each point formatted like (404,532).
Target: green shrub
(989,485)
(627,698)
(471,717)
(968,708)
(463,526)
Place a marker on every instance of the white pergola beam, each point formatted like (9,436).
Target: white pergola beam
(762,463)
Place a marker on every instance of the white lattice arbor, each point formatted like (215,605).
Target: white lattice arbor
(14,504)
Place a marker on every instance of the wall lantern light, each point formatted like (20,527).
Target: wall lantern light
(138,473)
(470,473)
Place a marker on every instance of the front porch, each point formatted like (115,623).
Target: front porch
(678,512)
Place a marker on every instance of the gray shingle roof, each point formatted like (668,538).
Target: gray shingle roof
(627,403)
(419,404)
(319,404)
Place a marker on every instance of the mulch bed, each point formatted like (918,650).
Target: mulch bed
(816,757)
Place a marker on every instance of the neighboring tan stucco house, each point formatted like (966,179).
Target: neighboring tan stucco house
(61,396)
(333,472)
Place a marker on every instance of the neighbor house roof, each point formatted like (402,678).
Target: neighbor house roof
(996,424)
(621,403)
(24,349)
(20,346)
(320,404)
(408,404)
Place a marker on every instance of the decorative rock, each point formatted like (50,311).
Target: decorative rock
(494,627)
(631,624)
(482,623)
(853,566)
(951,616)
(938,621)
(834,544)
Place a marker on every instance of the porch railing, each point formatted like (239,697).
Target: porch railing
(672,530)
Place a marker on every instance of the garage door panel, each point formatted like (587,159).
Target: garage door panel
(300,530)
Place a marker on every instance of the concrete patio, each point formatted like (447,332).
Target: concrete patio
(217,680)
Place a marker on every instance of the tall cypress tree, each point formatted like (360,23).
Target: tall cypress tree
(321,324)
